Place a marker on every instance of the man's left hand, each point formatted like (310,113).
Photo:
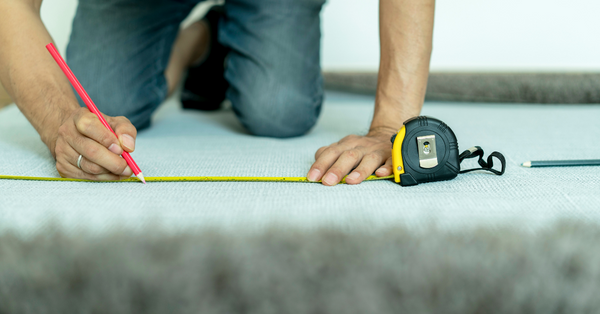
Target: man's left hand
(364,154)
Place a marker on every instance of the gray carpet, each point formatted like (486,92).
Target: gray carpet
(290,271)
(192,143)
(546,88)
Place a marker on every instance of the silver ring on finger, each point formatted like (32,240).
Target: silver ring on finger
(79,161)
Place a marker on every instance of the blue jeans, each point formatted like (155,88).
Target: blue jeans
(119,50)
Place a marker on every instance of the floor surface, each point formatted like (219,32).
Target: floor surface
(183,143)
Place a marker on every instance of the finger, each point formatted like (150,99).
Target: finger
(67,169)
(326,159)
(367,166)
(93,168)
(72,156)
(347,160)
(320,151)
(386,169)
(99,155)
(89,125)
(126,132)
(87,166)
(70,171)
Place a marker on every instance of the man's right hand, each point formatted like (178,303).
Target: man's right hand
(82,133)
(43,94)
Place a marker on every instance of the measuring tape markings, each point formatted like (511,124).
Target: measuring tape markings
(190,179)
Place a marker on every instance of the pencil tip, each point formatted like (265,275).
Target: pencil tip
(141,177)
(526,164)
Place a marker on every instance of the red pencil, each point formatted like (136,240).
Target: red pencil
(90,104)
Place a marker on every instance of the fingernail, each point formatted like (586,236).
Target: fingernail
(115,149)
(354,175)
(128,141)
(313,175)
(380,170)
(127,172)
(331,179)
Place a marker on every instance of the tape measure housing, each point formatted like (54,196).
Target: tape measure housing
(425,149)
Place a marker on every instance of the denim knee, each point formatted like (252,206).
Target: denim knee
(281,114)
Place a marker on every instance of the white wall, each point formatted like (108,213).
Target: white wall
(476,35)
(58,16)
(469,35)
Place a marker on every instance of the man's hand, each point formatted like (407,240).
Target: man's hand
(364,154)
(405,30)
(82,133)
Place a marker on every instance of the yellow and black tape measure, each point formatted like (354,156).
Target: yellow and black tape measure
(425,149)
(188,179)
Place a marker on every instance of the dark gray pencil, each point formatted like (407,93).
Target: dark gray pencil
(561,163)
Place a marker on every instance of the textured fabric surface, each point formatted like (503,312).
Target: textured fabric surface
(319,271)
(193,143)
(546,88)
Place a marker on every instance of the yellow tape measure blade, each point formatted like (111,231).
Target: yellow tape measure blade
(189,179)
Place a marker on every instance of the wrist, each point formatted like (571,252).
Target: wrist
(383,133)
(390,114)
(49,136)
(49,131)
(382,130)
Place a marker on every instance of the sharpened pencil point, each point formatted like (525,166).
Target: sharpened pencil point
(141,177)
(526,164)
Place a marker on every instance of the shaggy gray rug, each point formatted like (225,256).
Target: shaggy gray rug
(548,88)
(556,270)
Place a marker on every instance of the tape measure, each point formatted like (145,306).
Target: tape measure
(425,149)
(189,179)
